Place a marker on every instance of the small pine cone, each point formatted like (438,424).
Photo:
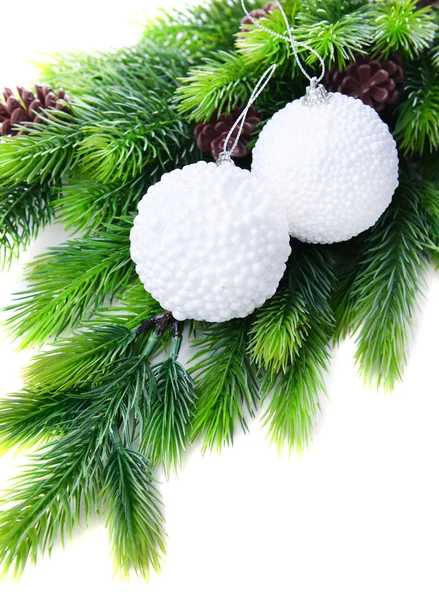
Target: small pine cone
(257,13)
(378,83)
(210,136)
(27,106)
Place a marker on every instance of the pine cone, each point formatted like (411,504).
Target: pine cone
(258,13)
(377,83)
(210,136)
(26,108)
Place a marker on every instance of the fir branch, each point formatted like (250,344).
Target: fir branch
(226,383)
(82,74)
(403,27)
(390,276)
(69,281)
(291,413)
(24,211)
(74,361)
(278,331)
(132,305)
(428,193)
(417,125)
(62,477)
(334,29)
(346,271)
(86,205)
(47,151)
(47,498)
(123,134)
(29,418)
(218,85)
(134,516)
(260,49)
(167,427)
(198,30)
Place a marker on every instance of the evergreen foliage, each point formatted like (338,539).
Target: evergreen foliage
(379,294)
(66,283)
(417,127)
(226,381)
(24,210)
(297,387)
(99,409)
(133,508)
(166,429)
(401,26)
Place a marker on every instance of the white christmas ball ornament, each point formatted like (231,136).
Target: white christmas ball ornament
(209,242)
(333,165)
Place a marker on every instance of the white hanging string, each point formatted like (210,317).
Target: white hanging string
(262,83)
(225,156)
(292,41)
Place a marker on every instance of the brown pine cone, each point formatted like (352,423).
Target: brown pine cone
(257,13)
(210,136)
(378,83)
(27,106)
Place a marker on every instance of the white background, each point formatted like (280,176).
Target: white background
(356,517)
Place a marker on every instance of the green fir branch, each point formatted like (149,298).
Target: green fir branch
(417,125)
(67,283)
(46,151)
(134,516)
(335,30)
(390,274)
(290,416)
(74,361)
(226,383)
(24,210)
(63,476)
(218,85)
(261,49)
(200,29)
(278,331)
(31,418)
(403,27)
(346,271)
(169,422)
(48,498)
(131,306)
(85,205)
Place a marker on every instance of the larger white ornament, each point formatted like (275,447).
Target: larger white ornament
(209,242)
(333,165)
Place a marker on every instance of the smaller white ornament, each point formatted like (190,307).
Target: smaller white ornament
(331,161)
(209,242)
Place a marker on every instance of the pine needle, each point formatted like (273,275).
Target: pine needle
(45,152)
(390,277)
(226,383)
(278,331)
(134,517)
(417,125)
(403,27)
(24,211)
(292,410)
(64,476)
(166,429)
(68,282)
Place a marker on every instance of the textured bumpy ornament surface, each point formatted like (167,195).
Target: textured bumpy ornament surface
(209,242)
(333,165)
